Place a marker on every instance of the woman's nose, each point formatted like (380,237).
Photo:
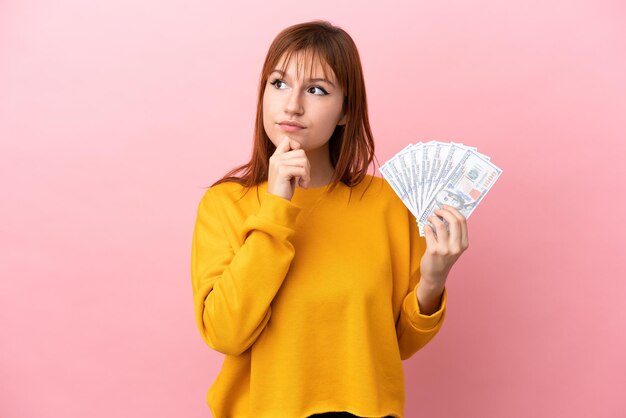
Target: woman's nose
(294,102)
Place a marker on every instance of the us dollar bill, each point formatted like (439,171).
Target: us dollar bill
(464,187)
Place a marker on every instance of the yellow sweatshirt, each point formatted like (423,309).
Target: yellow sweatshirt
(313,301)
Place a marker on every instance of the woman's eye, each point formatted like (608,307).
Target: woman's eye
(275,82)
(324,92)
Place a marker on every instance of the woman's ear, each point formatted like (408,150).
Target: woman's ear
(343,120)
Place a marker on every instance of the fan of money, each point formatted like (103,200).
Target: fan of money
(431,174)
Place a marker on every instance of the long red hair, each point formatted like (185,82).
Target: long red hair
(351,146)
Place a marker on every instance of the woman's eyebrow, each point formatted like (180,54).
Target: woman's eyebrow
(282,74)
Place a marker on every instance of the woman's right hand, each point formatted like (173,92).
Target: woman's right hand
(288,165)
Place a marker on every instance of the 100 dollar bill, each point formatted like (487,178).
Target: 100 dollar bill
(465,186)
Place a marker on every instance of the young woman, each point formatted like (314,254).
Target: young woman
(315,296)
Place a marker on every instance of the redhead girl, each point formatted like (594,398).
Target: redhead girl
(309,274)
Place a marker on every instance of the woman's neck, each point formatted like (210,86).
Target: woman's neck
(322,170)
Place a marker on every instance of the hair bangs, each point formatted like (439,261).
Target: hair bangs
(310,55)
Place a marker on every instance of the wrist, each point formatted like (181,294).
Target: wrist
(432,283)
(429,296)
(429,289)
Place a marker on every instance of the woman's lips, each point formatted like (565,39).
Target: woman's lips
(289,128)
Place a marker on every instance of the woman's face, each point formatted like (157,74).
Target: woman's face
(313,103)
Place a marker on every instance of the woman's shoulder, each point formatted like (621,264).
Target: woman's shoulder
(384,193)
(227,192)
(381,182)
(225,187)
(375,185)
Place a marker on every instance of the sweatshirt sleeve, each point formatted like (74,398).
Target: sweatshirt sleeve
(415,329)
(232,290)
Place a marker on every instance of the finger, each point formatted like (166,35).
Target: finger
(283,146)
(289,172)
(454,211)
(442,234)
(463,224)
(304,179)
(297,162)
(464,234)
(453,224)
(465,239)
(294,144)
(294,154)
(429,234)
(292,159)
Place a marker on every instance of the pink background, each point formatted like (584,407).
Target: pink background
(114,116)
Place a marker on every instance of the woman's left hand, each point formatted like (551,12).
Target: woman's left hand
(446,247)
